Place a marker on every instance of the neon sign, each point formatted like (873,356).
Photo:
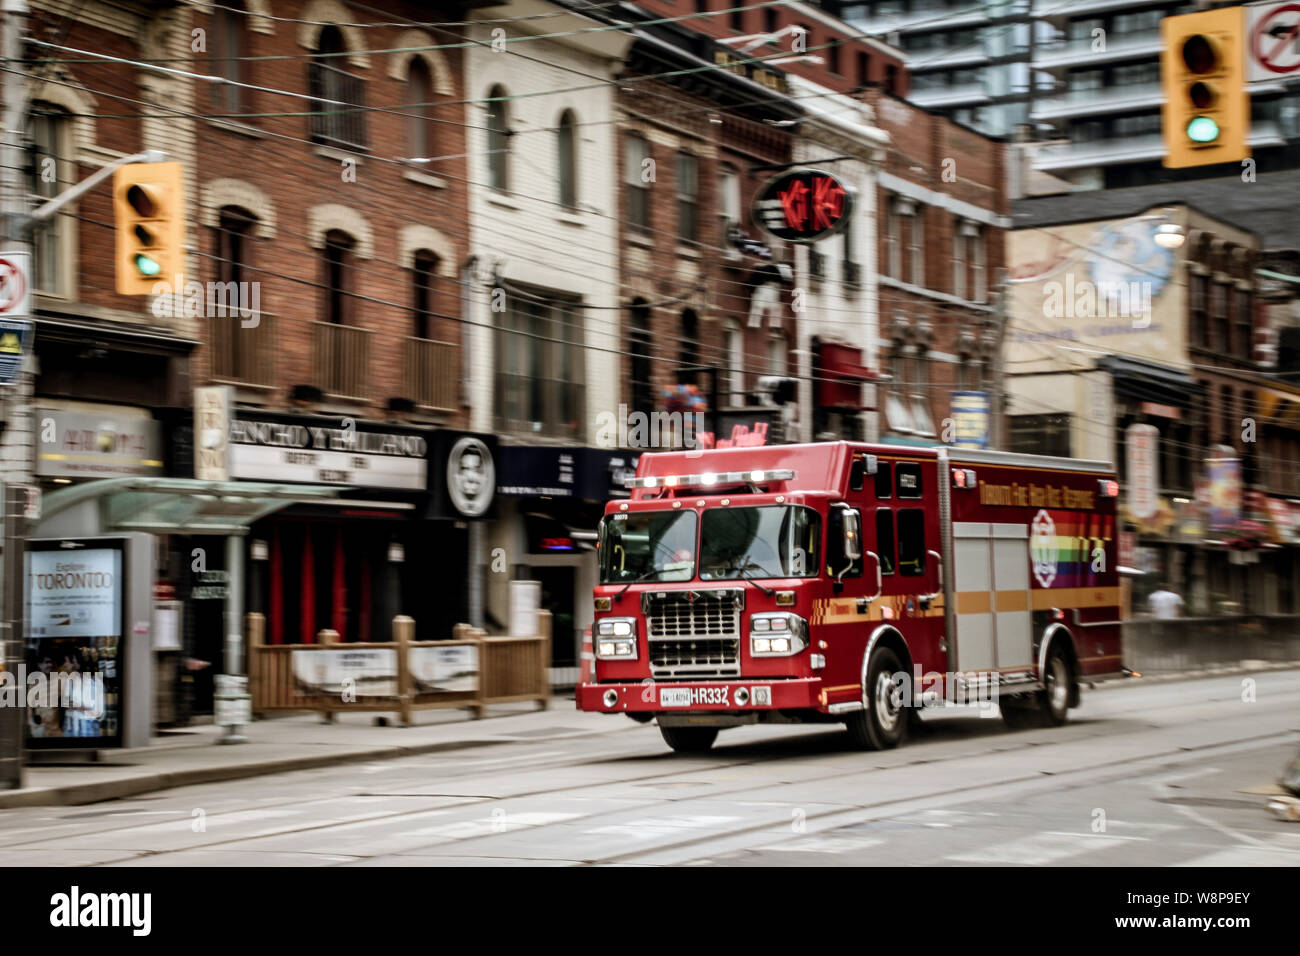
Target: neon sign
(803,205)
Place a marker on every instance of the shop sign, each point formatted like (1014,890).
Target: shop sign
(471,476)
(212,586)
(528,471)
(1140,446)
(212,432)
(971,415)
(803,205)
(82,445)
(326,452)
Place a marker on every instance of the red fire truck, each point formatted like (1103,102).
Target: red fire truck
(847,582)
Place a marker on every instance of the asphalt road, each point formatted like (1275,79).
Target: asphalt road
(1144,774)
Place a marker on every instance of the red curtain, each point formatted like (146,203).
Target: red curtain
(340,616)
(365,596)
(308,588)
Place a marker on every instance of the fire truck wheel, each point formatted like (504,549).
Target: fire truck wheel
(882,723)
(689,740)
(1053,701)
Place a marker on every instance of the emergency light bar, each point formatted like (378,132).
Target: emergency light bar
(707,479)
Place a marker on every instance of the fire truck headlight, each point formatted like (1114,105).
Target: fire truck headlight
(616,639)
(790,637)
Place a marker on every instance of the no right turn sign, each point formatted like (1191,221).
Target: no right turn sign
(1273,40)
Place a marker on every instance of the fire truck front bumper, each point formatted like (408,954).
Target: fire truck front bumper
(733,696)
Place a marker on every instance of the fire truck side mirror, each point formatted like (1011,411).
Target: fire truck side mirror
(852,534)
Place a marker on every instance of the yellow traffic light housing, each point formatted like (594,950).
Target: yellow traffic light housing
(149,212)
(1206,113)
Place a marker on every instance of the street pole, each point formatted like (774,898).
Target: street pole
(999,396)
(13,211)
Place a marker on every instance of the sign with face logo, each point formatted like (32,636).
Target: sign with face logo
(1042,548)
(471,476)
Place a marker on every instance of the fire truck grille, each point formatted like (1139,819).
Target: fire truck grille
(694,633)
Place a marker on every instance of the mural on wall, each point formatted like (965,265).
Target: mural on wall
(1106,285)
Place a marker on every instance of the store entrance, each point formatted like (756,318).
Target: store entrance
(557,597)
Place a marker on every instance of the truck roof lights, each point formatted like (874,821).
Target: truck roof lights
(756,476)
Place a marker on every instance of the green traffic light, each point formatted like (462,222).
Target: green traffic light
(146,266)
(1202,129)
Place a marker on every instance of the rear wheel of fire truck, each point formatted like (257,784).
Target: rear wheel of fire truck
(882,723)
(689,740)
(1052,703)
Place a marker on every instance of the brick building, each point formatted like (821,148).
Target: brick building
(706,297)
(943,211)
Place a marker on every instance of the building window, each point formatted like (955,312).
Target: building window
(690,351)
(1244,333)
(498,139)
(642,383)
(419,110)
(864,68)
(636,163)
(338,278)
(1041,434)
(329,85)
(1219,317)
(892,242)
(424,279)
(234,229)
(540,373)
(735,364)
(688,197)
(566,159)
(916,247)
(737,18)
(728,203)
(833,55)
(978,265)
(1199,316)
(852,270)
(51,173)
(228,55)
(959,261)
(777,355)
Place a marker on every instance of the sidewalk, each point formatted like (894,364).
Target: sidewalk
(280,744)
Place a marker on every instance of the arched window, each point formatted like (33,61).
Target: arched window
(498,139)
(228,53)
(238,351)
(419,109)
(424,287)
(338,97)
(234,229)
(688,197)
(639,346)
(636,164)
(566,160)
(338,279)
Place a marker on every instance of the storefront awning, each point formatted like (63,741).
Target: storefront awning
(182,505)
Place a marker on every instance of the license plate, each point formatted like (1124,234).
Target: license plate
(674,697)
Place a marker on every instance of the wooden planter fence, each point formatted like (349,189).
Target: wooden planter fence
(471,671)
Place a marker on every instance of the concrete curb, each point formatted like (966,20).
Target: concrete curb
(1227,670)
(149,782)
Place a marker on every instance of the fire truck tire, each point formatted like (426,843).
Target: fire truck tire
(1052,703)
(883,721)
(689,740)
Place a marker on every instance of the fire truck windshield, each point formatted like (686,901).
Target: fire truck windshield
(769,541)
(648,546)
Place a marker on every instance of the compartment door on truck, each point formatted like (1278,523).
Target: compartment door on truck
(991,584)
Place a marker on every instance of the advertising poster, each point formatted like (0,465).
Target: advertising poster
(451,669)
(1223,493)
(344,670)
(73,676)
(971,412)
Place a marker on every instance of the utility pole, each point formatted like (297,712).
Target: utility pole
(13,212)
(999,397)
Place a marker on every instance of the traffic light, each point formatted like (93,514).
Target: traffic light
(1206,113)
(149,210)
